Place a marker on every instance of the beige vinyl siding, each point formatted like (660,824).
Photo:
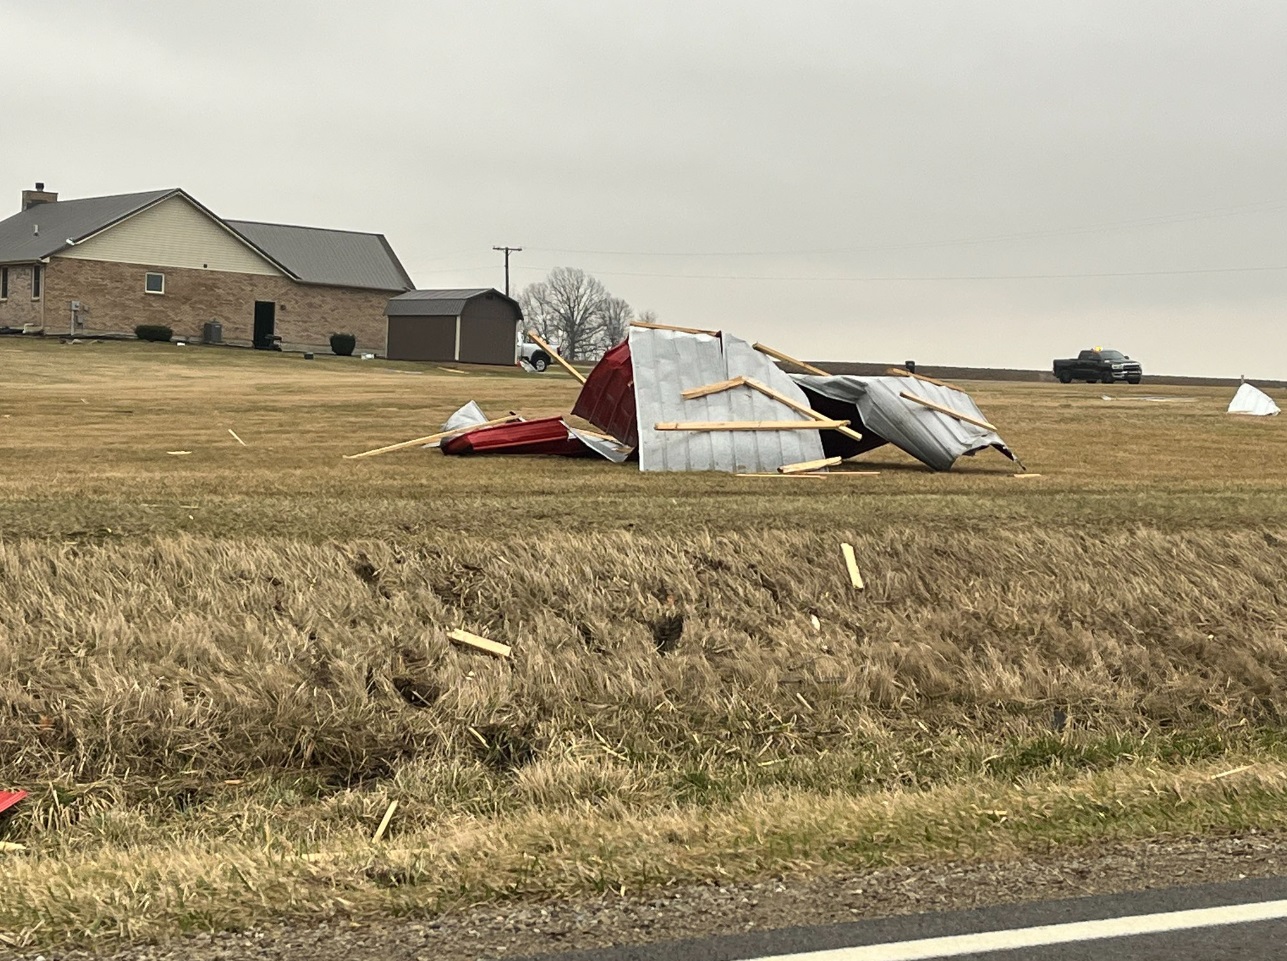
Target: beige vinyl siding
(172,234)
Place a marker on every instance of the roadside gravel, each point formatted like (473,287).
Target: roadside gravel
(531,930)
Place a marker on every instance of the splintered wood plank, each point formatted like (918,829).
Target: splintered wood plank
(553,353)
(699,425)
(948,411)
(790,360)
(441,435)
(808,465)
(494,648)
(851,562)
(682,330)
(796,406)
(719,387)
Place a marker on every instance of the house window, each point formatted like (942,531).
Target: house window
(4,283)
(37,277)
(154,283)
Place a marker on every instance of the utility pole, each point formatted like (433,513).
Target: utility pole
(507,253)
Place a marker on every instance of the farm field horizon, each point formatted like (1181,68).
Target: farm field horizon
(219,667)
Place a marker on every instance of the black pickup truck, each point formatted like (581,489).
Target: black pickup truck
(1099,366)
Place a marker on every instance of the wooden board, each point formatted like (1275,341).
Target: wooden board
(441,435)
(480,643)
(808,465)
(551,351)
(750,425)
(384,821)
(948,411)
(717,388)
(682,330)
(851,562)
(790,360)
(796,406)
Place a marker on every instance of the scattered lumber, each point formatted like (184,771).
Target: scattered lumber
(821,474)
(236,438)
(682,330)
(716,388)
(384,821)
(904,372)
(12,847)
(790,360)
(698,425)
(851,562)
(796,406)
(536,338)
(948,411)
(495,648)
(808,465)
(178,453)
(1025,475)
(441,435)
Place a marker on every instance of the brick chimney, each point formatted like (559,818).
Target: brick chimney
(38,196)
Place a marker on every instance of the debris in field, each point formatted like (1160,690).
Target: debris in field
(236,438)
(1025,475)
(9,798)
(431,438)
(808,465)
(536,338)
(12,847)
(1237,770)
(178,453)
(851,562)
(667,632)
(546,435)
(494,648)
(1254,401)
(817,624)
(384,821)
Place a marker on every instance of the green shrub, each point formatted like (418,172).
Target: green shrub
(342,344)
(158,332)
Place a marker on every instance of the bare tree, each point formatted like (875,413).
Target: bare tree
(567,308)
(617,315)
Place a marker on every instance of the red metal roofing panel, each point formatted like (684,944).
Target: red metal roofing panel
(548,435)
(608,398)
(9,798)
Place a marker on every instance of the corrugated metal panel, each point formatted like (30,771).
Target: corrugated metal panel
(337,258)
(935,439)
(65,219)
(666,363)
(173,234)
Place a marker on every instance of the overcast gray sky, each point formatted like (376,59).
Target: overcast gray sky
(978,183)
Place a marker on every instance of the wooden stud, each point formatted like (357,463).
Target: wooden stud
(903,372)
(700,425)
(796,406)
(682,330)
(441,435)
(480,643)
(948,411)
(384,821)
(1025,475)
(551,351)
(785,476)
(236,438)
(719,387)
(808,465)
(790,360)
(851,562)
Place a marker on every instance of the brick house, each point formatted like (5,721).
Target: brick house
(104,265)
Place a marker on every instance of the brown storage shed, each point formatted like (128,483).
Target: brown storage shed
(470,326)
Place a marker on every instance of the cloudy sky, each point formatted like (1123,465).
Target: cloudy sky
(979,183)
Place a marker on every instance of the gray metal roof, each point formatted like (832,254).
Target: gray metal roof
(438,303)
(67,220)
(338,258)
(667,362)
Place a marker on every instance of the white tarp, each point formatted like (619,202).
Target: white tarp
(668,362)
(468,416)
(1252,400)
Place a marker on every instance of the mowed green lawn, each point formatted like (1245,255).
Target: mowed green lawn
(218,668)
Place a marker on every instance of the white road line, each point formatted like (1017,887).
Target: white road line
(958,944)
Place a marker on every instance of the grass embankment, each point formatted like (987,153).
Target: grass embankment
(217,669)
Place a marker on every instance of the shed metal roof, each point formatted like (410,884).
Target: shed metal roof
(439,303)
(67,220)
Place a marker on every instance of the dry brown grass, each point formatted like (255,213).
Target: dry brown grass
(214,663)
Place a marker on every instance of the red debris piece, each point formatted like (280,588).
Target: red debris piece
(9,798)
(548,435)
(607,400)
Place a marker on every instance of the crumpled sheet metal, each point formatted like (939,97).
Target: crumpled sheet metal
(667,362)
(1252,400)
(607,399)
(934,439)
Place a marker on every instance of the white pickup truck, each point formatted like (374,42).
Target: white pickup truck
(535,356)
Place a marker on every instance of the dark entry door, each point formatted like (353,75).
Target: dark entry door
(265,322)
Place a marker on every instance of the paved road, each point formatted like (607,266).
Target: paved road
(1246,920)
